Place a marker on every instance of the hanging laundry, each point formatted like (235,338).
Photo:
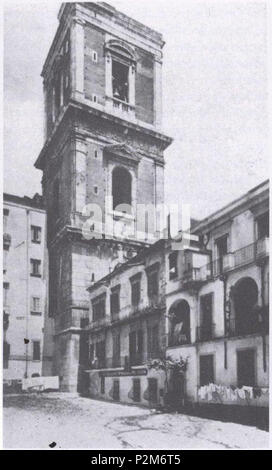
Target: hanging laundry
(257,392)
(249,391)
(241,393)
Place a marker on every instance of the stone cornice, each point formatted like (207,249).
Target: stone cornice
(252,198)
(163,140)
(75,233)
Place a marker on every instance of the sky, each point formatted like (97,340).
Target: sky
(214,95)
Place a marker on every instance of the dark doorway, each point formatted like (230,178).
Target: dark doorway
(116,390)
(180,323)
(206,310)
(245,299)
(153,391)
(177,395)
(246,368)
(222,249)
(136,390)
(206,371)
(121,188)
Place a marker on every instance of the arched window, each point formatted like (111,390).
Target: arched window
(121,188)
(245,299)
(180,332)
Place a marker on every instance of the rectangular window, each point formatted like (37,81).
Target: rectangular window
(136,347)
(5,292)
(120,81)
(116,390)
(153,284)
(6,354)
(94,56)
(5,219)
(36,234)
(153,340)
(137,390)
(100,351)
(263,226)
(173,267)
(35,267)
(91,354)
(35,305)
(221,250)
(135,292)
(116,350)
(206,369)
(153,390)
(102,385)
(99,308)
(206,317)
(115,300)
(6,241)
(36,350)
(246,368)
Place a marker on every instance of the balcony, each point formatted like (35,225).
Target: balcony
(179,340)
(247,254)
(119,107)
(205,332)
(195,276)
(236,327)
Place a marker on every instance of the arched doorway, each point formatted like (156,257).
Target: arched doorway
(121,188)
(245,299)
(180,332)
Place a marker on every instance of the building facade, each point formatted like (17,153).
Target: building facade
(24,288)
(218,304)
(103,147)
(210,312)
(127,329)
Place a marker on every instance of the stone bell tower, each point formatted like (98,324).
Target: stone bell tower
(103,146)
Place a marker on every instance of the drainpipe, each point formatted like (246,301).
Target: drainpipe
(224,279)
(27,291)
(263,304)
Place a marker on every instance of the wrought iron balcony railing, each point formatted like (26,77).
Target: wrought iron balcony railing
(245,255)
(238,327)
(180,339)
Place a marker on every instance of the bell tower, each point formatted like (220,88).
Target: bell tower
(103,148)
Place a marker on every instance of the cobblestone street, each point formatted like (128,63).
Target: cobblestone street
(36,421)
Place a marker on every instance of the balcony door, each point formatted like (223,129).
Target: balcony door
(206,369)
(221,249)
(206,303)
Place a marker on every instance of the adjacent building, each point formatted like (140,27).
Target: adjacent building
(24,287)
(203,303)
(127,329)
(217,301)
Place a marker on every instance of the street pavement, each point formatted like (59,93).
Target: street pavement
(67,421)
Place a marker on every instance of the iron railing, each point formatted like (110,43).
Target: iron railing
(237,326)
(245,255)
(181,339)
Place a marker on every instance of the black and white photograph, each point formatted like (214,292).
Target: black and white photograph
(136,170)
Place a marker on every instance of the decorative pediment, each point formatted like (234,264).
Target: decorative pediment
(122,151)
(120,48)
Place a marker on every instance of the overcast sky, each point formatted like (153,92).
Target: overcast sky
(214,95)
